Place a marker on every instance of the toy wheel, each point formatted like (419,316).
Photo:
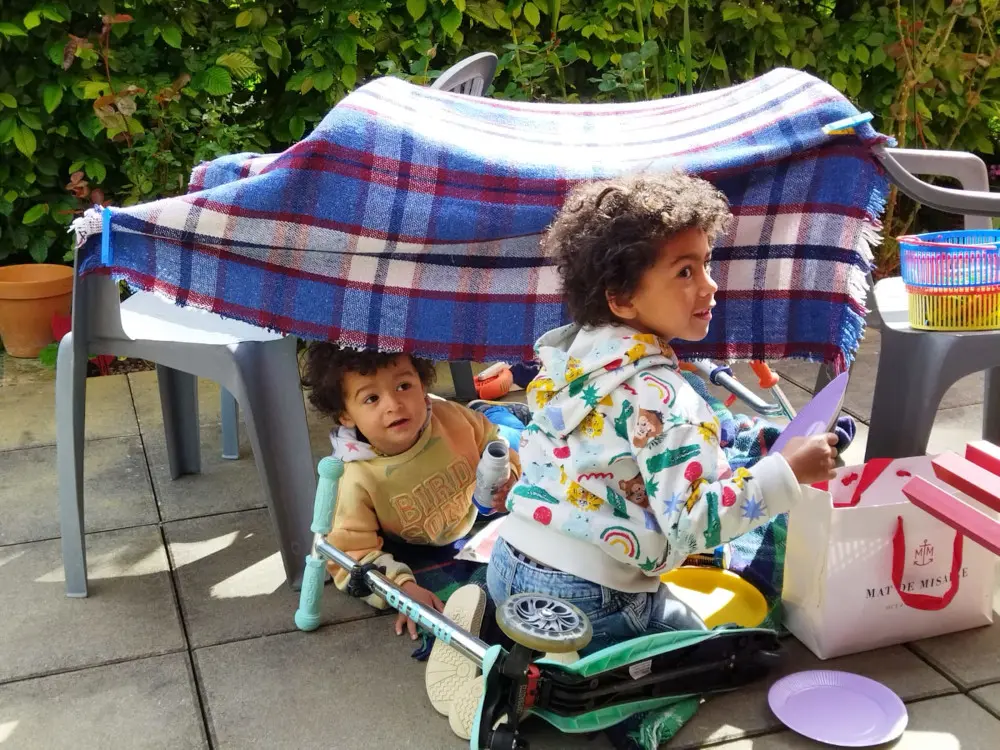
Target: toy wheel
(544,623)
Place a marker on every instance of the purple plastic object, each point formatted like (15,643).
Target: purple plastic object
(838,708)
(818,416)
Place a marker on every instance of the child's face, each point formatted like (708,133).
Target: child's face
(388,407)
(675,296)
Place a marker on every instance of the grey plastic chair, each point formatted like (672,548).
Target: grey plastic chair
(260,368)
(471,76)
(916,368)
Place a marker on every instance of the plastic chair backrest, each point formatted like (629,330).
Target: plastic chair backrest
(471,76)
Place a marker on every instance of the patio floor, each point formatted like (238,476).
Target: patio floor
(187,639)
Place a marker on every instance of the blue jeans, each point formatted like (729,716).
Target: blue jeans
(615,616)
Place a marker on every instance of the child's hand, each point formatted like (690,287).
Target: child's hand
(500,496)
(417,594)
(811,459)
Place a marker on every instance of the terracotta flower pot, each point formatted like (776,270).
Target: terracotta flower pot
(29,296)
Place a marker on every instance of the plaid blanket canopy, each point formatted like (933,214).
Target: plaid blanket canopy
(409,219)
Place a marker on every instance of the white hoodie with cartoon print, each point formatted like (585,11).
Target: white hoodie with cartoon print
(622,473)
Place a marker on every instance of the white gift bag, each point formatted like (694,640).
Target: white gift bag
(865,568)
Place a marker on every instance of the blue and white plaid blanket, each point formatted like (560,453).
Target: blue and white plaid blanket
(409,219)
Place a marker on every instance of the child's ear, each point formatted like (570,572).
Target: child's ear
(346,420)
(623,309)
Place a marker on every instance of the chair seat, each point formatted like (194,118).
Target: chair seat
(894,307)
(147,317)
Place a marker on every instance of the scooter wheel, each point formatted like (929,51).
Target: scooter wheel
(544,623)
(505,739)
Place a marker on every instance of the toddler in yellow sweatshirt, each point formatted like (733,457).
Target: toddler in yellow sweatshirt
(410,460)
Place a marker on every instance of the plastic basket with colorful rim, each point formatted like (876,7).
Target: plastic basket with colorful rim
(952,280)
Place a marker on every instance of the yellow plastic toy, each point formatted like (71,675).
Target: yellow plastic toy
(718,596)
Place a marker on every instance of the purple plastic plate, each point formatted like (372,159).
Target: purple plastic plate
(838,708)
(818,416)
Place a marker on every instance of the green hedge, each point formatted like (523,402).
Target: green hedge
(116,101)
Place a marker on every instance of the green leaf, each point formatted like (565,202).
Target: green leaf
(531,13)
(52,95)
(416,8)
(296,127)
(10,196)
(95,170)
(90,127)
(7,126)
(984,145)
(322,80)
(216,81)
(854,85)
(878,56)
(39,248)
(732,12)
(631,60)
(451,20)
(861,51)
(460,4)
(649,49)
(32,19)
(49,355)
(349,76)
(8,101)
(238,64)
(718,62)
(938,6)
(9,30)
(245,18)
(54,13)
(875,39)
(30,119)
(347,47)
(271,46)
(34,213)
(839,81)
(172,36)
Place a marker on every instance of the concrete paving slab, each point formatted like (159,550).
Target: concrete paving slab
(231,582)
(745,712)
(117,492)
(147,704)
(29,417)
(953,428)
(223,485)
(951,723)
(355,682)
(989,698)
(130,613)
(146,395)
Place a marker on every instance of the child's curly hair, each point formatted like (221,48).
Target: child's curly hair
(609,232)
(325,365)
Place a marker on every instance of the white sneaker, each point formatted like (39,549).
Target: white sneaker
(447,670)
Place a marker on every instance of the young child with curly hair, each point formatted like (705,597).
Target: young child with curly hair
(623,473)
(409,474)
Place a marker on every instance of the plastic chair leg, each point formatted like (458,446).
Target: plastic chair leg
(991,406)
(465,385)
(179,403)
(275,416)
(71,397)
(908,389)
(230,425)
